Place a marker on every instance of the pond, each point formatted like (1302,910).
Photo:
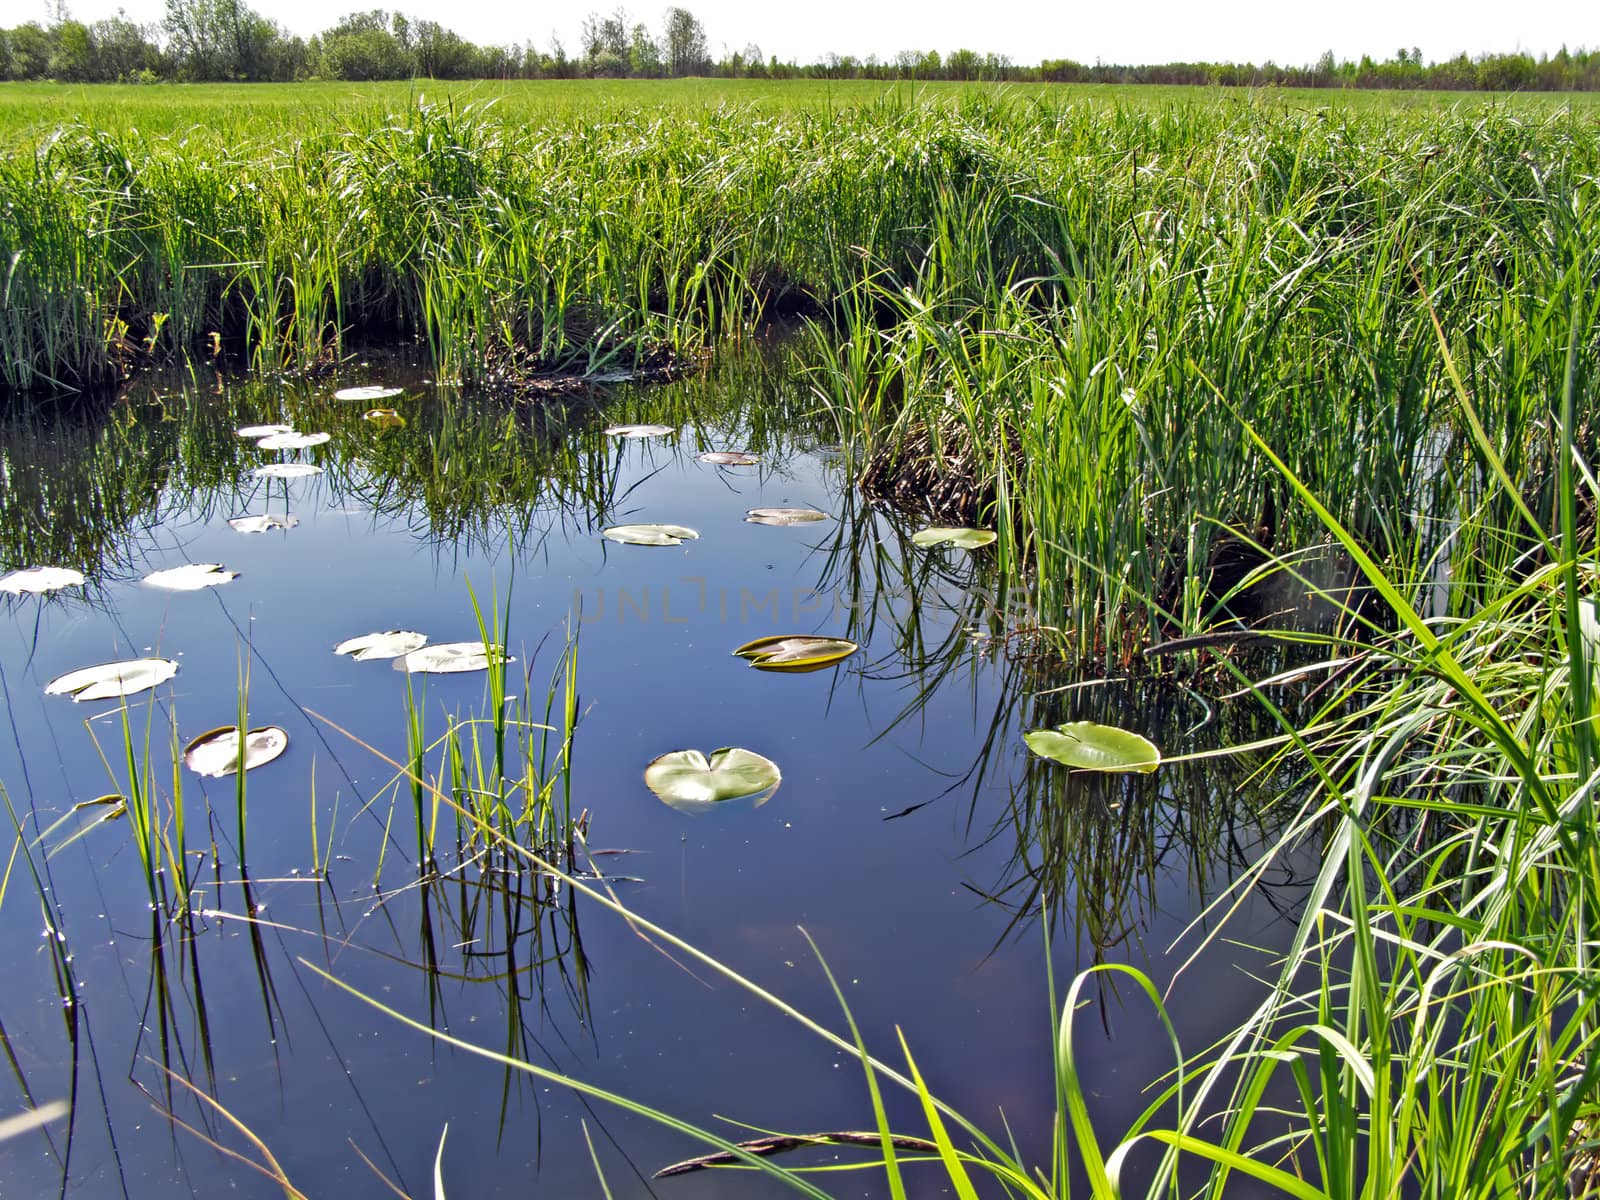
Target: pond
(913,839)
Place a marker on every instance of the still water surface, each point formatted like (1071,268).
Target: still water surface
(912,839)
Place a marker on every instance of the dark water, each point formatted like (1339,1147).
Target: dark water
(912,839)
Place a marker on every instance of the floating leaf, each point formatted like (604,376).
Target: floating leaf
(796,652)
(689,782)
(110,680)
(967,539)
(639,431)
(1090,746)
(287,471)
(451,658)
(38,580)
(190,577)
(729,458)
(262,523)
(293,441)
(784,516)
(218,751)
(384,418)
(369,394)
(650,535)
(261,431)
(389,644)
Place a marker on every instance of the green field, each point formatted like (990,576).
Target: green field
(255,110)
(1184,353)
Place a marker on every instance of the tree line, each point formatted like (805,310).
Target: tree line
(226,40)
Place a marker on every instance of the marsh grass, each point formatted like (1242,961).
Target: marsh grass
(1015,298)
(1430,1029)
(1043,368)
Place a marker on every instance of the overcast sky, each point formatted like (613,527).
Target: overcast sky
(1138,31)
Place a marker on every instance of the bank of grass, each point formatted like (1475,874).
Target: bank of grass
(1045,313)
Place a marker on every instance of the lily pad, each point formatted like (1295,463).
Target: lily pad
(796,652)
(1090,746)
(260,431)
(110,680)
(967,539)
(38,580)
(451,658)
(287,471)
(384,418)
(218,752)
(190,577)
(369,394)
(262,523)
(784,516)
(729,458)
(650,535)
(690,782)
(639,431)
(293,441)
(391,643)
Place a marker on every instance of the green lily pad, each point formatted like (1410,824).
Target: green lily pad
(639,431)
(729,458)
(796,652)
(967,539)
(191,577)
(1090,746)
(689,782)
(38,580)
(256,432)
(784,516)
(219,752)
(384,418)
(111,680)
(650,535)
(368,394)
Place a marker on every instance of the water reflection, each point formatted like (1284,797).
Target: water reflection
(914,837)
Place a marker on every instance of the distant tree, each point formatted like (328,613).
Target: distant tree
(962,64)
(197,31)
(440,53)
(31,47)
(644,52)
(558,65)
(123,50)
(614,34)
(368,45)
(73,57)
(685,42)
(222,39)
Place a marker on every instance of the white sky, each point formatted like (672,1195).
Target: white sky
(1284,31)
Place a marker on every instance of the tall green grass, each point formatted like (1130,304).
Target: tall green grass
(1025,311)
(1075,366)
(593,233)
